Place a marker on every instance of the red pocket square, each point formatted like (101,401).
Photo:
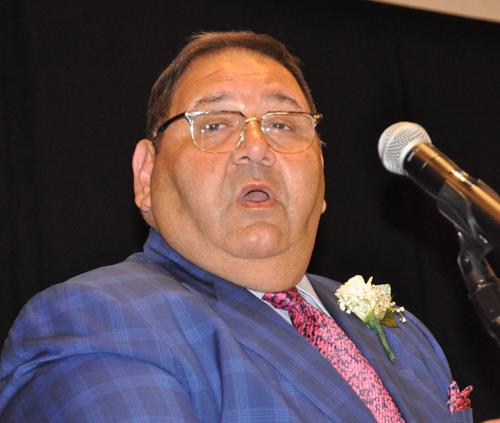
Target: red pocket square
(458,401)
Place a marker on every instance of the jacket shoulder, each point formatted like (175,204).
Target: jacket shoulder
(130,308)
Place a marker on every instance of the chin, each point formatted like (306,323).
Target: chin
(258,242)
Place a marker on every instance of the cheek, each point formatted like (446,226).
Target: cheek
(192,183)
(305,184)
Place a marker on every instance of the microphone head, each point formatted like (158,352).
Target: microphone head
(395,143)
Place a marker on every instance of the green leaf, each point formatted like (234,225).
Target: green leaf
(389,320)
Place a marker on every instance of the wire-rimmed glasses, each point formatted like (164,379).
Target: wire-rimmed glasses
(222,131)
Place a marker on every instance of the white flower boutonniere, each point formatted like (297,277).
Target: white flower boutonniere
(372,304)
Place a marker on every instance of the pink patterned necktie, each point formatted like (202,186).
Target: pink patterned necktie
(331,341)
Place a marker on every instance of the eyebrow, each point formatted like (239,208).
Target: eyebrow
(275,95)
(283,98)
(210,100)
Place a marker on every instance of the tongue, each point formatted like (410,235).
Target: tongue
(256,196)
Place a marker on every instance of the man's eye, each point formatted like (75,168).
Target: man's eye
(281,126)
(213,127)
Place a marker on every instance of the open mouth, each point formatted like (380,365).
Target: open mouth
(256,196)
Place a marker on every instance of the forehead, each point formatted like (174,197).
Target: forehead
(237,78)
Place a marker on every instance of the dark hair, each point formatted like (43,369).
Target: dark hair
(210,43)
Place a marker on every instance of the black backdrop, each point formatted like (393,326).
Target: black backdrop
(75,79)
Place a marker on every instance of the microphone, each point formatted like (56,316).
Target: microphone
(405,148)
(472,206)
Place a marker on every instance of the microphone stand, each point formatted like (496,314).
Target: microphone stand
(481,281)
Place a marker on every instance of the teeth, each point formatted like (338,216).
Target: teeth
(256,196)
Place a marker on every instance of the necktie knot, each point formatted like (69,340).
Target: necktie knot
(287,300)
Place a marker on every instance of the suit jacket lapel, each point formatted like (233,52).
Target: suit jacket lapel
(261,330)
(398,376)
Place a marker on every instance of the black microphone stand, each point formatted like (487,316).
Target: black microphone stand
(481,281)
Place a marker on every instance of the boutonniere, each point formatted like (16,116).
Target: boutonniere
(372,304)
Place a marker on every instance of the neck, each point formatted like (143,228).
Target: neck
(269,274)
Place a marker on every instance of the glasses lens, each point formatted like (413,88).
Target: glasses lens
(289,132)
(217,132)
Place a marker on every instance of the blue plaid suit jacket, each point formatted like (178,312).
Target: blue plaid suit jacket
(157,339)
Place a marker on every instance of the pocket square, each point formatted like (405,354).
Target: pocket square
(458,401)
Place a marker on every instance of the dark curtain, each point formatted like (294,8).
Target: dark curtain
(75,79)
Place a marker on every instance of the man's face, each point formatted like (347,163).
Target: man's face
(249,206)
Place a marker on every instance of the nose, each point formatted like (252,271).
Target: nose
(254,147)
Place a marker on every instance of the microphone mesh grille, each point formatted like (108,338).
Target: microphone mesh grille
(394,140)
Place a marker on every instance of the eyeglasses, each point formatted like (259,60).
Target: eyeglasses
(223,131)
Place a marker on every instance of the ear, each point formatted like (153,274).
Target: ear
(142,164)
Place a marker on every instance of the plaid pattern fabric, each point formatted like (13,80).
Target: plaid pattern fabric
(157,339)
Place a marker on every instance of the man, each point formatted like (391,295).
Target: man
(231,182)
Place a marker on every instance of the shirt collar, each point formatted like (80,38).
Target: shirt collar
(306,290)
